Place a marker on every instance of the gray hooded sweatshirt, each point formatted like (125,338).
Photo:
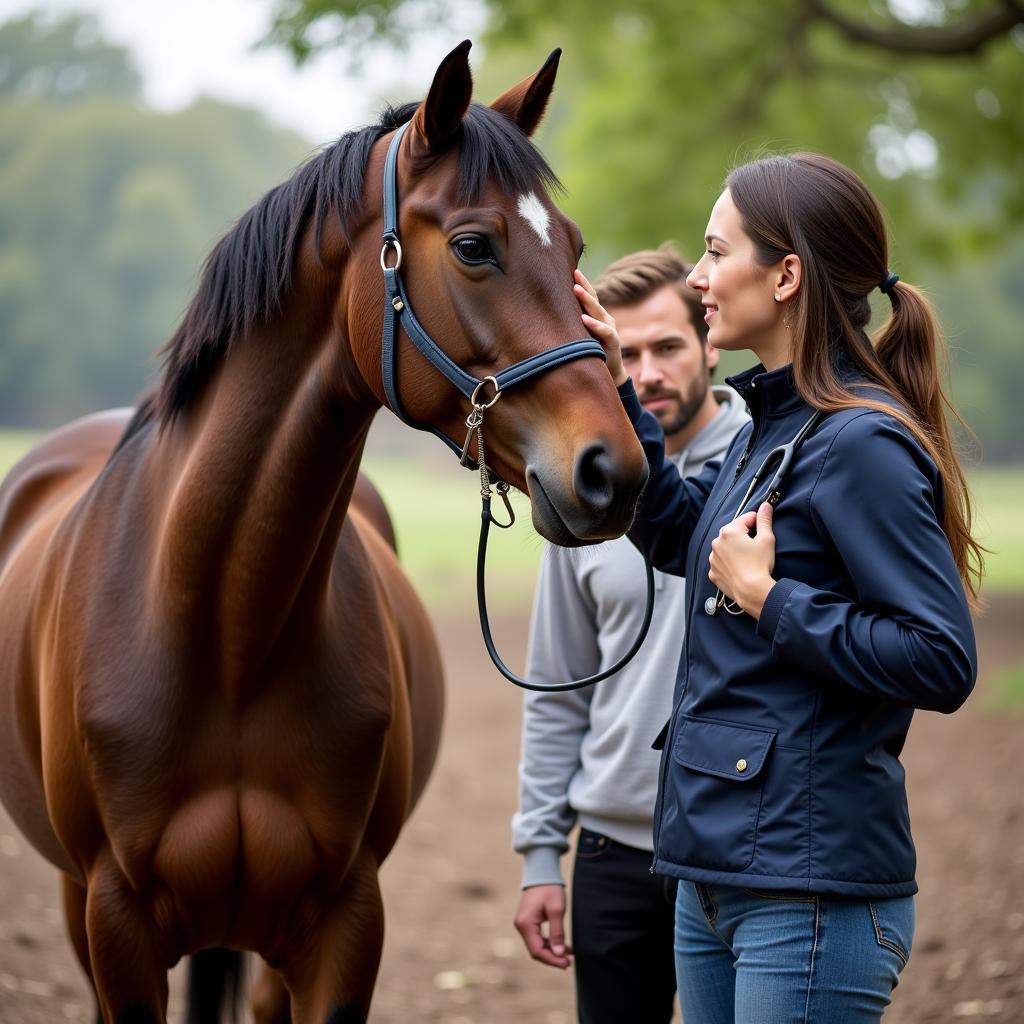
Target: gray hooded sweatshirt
(586,754)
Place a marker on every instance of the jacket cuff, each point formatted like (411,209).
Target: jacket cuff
(541,866)
(630,401)
(774,604)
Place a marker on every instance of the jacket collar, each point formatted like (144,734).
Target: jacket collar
(768,393)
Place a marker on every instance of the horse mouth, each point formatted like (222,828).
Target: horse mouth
(549,522)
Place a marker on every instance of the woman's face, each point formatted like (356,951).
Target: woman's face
(738,293)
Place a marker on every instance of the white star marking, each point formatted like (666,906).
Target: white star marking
(533,212)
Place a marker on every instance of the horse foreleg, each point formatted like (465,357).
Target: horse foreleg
(271,1003)
(332,979)
(74,915)
(129,974)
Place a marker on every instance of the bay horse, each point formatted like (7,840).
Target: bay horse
(220,696)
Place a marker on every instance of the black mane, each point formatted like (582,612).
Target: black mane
(248,274)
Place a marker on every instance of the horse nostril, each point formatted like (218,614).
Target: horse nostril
(593,477)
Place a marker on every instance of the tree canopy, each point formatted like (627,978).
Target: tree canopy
(657,100)
(106,211)
(62,60)
(107,208)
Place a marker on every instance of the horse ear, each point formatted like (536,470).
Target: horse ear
(438,117)
(526,102)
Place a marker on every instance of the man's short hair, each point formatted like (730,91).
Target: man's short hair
(640,274)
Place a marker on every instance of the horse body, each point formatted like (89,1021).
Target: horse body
(222,697)
(173,780)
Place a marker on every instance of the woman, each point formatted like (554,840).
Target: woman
(815,629)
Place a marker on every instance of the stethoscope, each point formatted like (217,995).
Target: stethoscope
(784,455)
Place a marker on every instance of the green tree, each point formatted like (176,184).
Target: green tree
(62,60)
(924,97)
(106,212)
(656,100)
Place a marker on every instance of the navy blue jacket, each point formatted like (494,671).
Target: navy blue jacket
(781,766)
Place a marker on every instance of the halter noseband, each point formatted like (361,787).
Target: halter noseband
(398,312)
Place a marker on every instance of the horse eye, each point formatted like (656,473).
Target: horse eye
(473,250)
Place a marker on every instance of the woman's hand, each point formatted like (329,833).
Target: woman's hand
(741,565)
(601,325)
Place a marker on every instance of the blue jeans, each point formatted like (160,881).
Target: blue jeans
(746,956)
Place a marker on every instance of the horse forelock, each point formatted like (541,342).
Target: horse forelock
(248,274)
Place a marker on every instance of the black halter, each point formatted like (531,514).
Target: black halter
(398,312)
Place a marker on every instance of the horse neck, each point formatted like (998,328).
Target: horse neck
(260,476)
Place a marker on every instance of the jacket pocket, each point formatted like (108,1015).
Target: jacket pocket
(714,792)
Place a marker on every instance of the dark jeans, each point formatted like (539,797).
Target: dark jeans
(623,919)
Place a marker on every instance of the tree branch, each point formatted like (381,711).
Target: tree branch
(966,37)
(791,56)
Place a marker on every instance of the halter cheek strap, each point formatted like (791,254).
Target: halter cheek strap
(398,314)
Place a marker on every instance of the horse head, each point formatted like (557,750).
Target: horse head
(487,261)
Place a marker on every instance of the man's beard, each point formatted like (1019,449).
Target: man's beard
(687,405)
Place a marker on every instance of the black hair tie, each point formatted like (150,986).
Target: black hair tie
(889,283)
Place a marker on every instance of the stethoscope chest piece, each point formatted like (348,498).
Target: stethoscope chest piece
(710,606)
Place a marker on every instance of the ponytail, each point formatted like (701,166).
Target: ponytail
(912,351)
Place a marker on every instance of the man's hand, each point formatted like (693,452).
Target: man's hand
(740,565)
(540,905)
(601,325)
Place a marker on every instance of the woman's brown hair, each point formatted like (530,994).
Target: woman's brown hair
(816,208)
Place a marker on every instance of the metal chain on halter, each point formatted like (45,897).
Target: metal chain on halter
(475,423)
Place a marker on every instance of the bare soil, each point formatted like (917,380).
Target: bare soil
(451,954)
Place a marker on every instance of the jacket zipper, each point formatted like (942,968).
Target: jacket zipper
(755,434)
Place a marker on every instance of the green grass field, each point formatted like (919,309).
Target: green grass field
(436,509)
(999,494)
(1007,689)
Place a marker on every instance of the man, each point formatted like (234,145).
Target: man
(586,754)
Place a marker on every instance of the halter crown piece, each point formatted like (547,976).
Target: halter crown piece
(482,394)
(888,283)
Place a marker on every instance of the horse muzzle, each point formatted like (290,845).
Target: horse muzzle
(597,505)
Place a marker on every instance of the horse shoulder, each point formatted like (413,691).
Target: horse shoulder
(35,498)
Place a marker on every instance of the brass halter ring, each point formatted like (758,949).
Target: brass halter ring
(476,391)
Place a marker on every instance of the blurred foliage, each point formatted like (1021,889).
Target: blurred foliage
(106,211)
(62,60)
(657,100)
(106,208)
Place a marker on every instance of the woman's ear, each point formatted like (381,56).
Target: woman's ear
(787,277)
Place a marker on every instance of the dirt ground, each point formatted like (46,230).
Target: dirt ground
(451,955)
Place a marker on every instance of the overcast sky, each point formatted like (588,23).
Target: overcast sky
(184,48)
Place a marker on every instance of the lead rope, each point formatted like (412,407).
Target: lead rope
(475,428)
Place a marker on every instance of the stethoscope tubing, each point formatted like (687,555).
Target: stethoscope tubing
(784,454)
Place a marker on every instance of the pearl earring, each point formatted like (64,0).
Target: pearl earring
(778,297)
